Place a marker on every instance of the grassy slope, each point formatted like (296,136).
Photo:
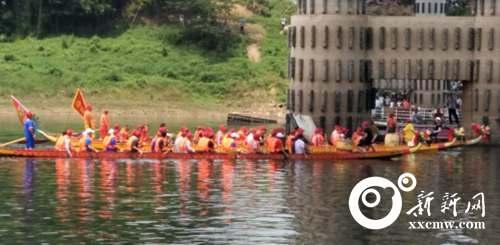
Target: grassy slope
(140,63)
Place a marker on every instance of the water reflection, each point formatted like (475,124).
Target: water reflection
(245,202)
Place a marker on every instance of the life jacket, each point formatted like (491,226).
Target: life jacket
(204,144)
(227,143)
(59,143)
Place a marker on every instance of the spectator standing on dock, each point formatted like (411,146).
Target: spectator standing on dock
(391,124)
(452,110)
(283,23)
(29,131)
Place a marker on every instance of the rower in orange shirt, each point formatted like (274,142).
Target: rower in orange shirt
(104,124)
(88,118)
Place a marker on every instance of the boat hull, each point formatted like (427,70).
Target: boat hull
(128,155)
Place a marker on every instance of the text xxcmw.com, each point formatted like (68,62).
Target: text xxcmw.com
(439,225)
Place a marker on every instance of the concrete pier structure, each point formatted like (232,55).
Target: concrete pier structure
(337,51)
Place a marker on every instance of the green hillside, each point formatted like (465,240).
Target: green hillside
(150,61)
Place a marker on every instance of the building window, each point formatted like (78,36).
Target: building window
(436,8)
(361,97)
(362,38)
(338,101)
(304,6)
(420,39)
(313,6)
(394,69)
(311,101)
(407,38)
(324,105)
(327,37)
(381,69)
(294,36)
(351,37)
(326,70)
(338,72)
(349,123)
(301,101)
(431,69)
(292,102)
(301,70)
(423,8)
(429,8)
(313,37)
(325,6)
(489,73)
(299,4)
(382,38)
(458,38)
(350,101)
(312,69)
(432,38)
(339,37)
(482,6)
(302,37)
(421,99)
(433,99)
(491,39)
(471,39)
(493,7)
(339,6)
(479,38)
(369,38)
(445,39)
(394,38)
(476,99)
(338,120)
(417,8)
(350,71)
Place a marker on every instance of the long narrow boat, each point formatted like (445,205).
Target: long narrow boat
(448,145)
(41,153)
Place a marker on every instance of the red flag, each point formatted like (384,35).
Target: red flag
(79,103)
(20,109)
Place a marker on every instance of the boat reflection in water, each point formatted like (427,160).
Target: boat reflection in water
(221,201)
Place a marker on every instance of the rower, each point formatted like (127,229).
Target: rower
(318,139)
(161,142)
(133,144)
(289,141)
(29,131)
(86,141)
(337,135)
(206,142)
(275,144)
(63,143)
(110,142)
(88,118)
(104,124)
(220,134)
(252,141)
(486,130)
(299,144)
(409,133)
(367,139)
(438,127)
(124,134)
(229,141)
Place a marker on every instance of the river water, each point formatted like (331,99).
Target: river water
(233,202)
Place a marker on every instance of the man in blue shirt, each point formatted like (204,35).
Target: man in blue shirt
(29,131)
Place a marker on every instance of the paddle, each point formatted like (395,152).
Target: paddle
(46,135)
(12,142)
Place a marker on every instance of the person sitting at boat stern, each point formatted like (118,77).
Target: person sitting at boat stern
(459,132)
(438,127)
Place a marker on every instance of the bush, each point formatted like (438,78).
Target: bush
(9,58)
(210,37)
